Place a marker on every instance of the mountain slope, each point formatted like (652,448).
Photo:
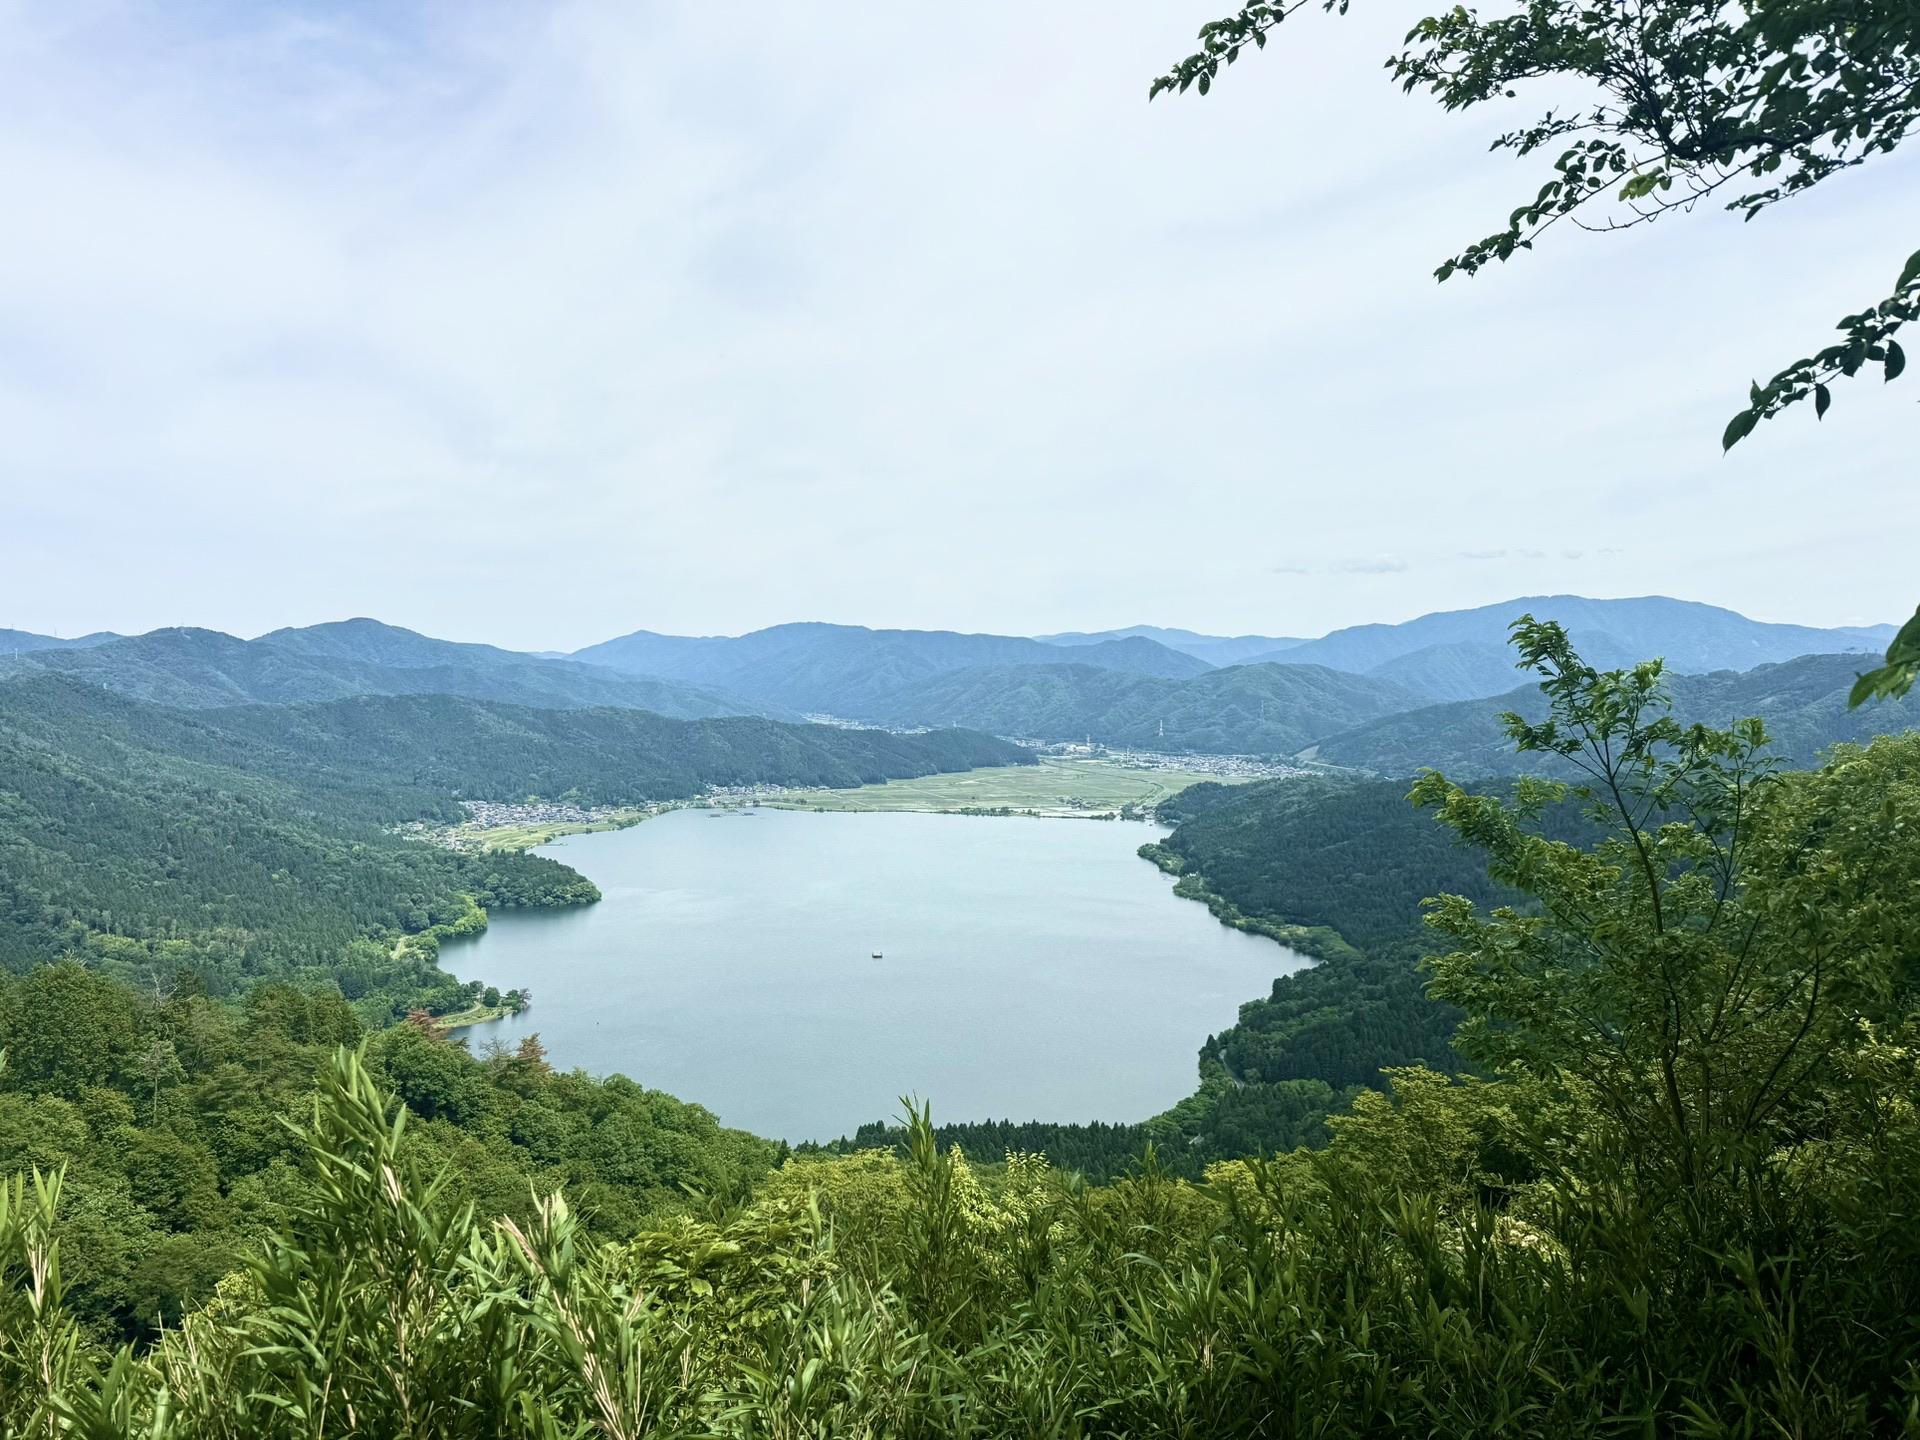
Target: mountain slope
(393,757)
(1690,637)
(483,750)
(1460,670)
(149,861)
(1247,709)
(1214,649)
(201,668)
(853,671)
(252,844)
(1803,701)
(378,643)
(20,642)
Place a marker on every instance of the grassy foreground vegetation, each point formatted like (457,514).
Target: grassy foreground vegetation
(1676,1196)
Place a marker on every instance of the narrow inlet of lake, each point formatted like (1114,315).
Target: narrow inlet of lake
(795,973)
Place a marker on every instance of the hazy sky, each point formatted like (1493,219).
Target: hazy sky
(538,323)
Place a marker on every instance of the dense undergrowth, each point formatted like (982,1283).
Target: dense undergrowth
(1422,1276)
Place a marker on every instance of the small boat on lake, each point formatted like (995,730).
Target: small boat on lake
(878,956)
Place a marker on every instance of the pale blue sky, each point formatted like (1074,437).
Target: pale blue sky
(540,323)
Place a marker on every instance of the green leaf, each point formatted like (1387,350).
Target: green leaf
(1738,429)
(1896,359)
(1822,398)
(1890,681)
(1897,676)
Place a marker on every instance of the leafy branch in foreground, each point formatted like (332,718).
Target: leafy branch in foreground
(1896,677)
(1867,340)
(1750,102)
(1702,968)
(1694,97)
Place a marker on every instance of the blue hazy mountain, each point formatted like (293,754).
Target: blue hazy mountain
(21,642)
(1241,709)
(1463,654)
(199,669)
(1803,702)
(853,671)
(1214,649)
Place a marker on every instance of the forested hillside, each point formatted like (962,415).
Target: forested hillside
(1214,649)
(478,750)
(1460,670)
(19,642)
(252,843)
(1243,709)
(196,669)
(169,1115)
(1339,869)
(1468,648)
(147,862)
(851,671)
(1803,702)
(1078,687)
(934,676)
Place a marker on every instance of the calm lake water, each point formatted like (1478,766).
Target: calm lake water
(1032,968)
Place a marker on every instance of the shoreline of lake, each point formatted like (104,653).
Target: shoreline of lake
(1026,970)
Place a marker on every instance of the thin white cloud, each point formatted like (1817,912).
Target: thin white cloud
(1369,565)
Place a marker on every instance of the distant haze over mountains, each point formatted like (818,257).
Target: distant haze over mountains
(1689,636)
(20,642)
(853,671)
(1803,702)
(202,669)
(1450,655)
(1369,696)
(1214,649)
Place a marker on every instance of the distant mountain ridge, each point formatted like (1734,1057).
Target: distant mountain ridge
(200,669)
(1139,687)
(1077,683)
(22,642)
(1463,654)
(1241,709)
(850,670)
(1803,702)
(377,756)
(1214,649)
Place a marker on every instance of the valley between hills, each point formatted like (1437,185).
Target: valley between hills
(779,876)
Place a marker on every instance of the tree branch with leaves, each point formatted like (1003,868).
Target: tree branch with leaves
(1744,104)
(1698,968)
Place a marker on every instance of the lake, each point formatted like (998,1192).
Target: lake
(1031,969)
